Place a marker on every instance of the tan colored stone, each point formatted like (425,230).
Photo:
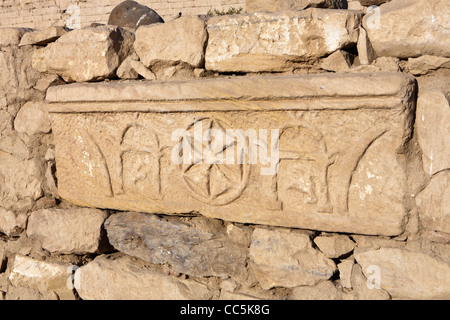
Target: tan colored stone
(339,168)
(408,275)
(283,5)
(433,130)
(188,249)
(86,54)
(121,278)
(42,37)
(180,40)
(43,276)
(126,71)
(345,273)
(434,203)
(366,53)
(339,61)
(77,231)
(11,36)
(142,70)
(264,41)
(409,28)
(12,224)
(48,81)
(33,118)
(284,258)
(387,64)
(324,290)
(425,64)
(334,246)
(361,290)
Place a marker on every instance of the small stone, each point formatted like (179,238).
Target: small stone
(362,290)
(338,61)
(42,37)
(284,258)
(334,246)
(324,290)
(345,272)
(387,64)
(425,64)
(68,231)
(11,36)
(12,224)
(33,118)
(48,81)
(126,71)
(366,53)
(43,276)
(142,70)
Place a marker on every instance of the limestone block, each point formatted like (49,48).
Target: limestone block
(409,28)
(406,274)
(121,278)
(43,276)
(284,258)
(147,147)
(11,36)
(85,54)
(433,130)
(76,231)
(180,40)
(334,246)
(42,37)
(425,64)
(434,203)
(275,41)
(187,249)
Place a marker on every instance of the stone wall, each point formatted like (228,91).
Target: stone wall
(46,13)
(103,194)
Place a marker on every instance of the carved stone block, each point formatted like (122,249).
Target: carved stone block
(319,152)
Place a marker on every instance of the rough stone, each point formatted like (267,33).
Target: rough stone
(409,28)
(283,5)
(408,275)
(334,246)
(433,130)
(88,54)
(366,53)
(180,40)
(434,203)
(340,164)
(361,290)
(263,42)
(425,64)
(42,37)
(339,61)
(286,258)
(126,71)
(12,224)
(48,81)
(12,36)
(372,2)
(41,275)
(187,249)
(107,277)
(387,64)
(345,273)
(130,14)
(33,118)
(77,231)
(142,70)
(324,290)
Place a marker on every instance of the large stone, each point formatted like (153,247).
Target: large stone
(180,40)
(187,249)
(43,276)
(282,5)
(338,165)
(85,54)
(12,36)
(433,130)
(434,203)
(121,278)
(130,14)
(42,37)
(284,258)
(69,231)
(277,41)
(406,274)
(409,28)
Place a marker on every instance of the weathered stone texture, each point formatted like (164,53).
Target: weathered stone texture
(187,249)
(99,155)
(276,41)
(120,278)
(77,231)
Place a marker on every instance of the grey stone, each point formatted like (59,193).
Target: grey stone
(130,14)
